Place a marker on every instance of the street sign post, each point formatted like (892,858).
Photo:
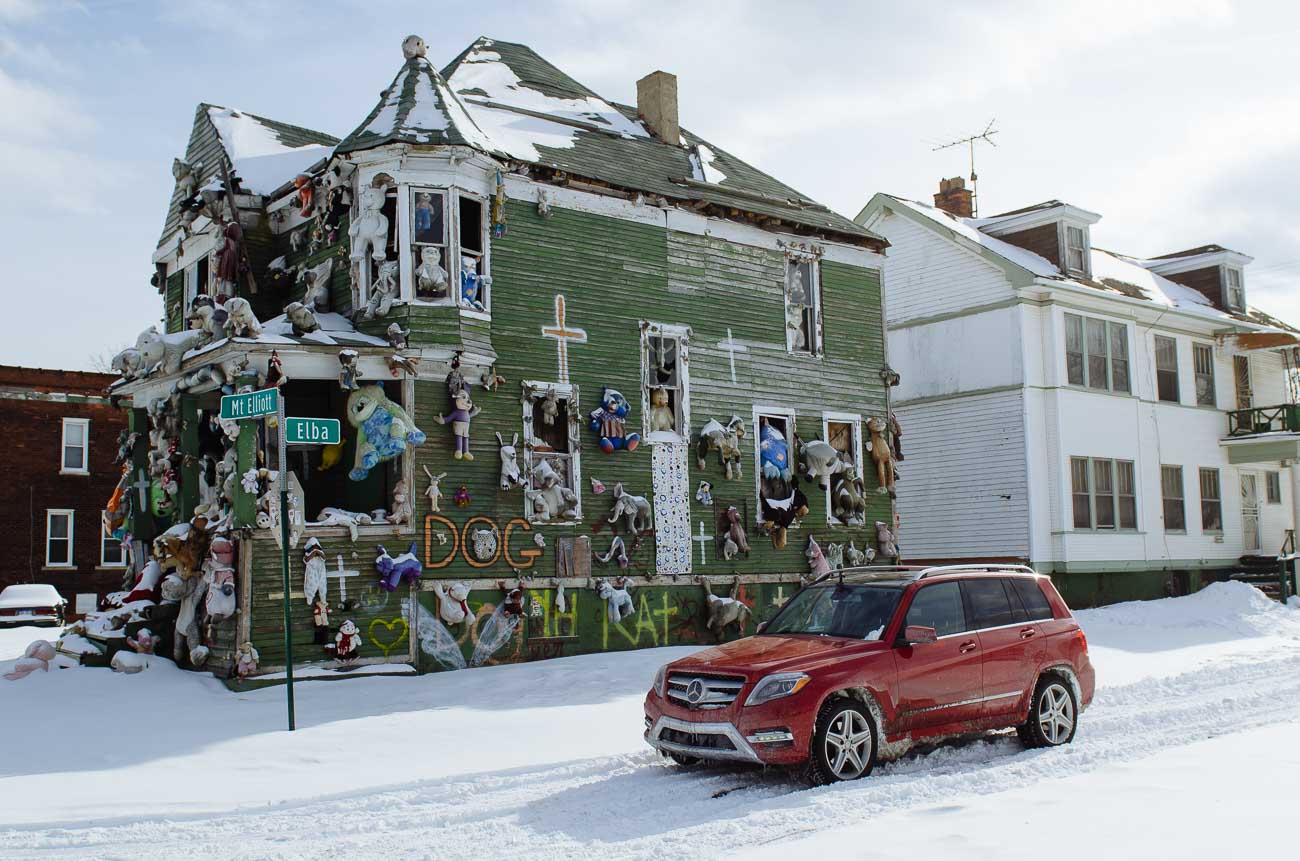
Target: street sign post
(312,431)
(250,405)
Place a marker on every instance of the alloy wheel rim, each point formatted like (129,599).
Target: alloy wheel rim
(848,745)
(1055,714)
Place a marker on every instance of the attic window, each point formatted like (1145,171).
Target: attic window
(1076,250)
(1236,297)
(803,318)
(473,279)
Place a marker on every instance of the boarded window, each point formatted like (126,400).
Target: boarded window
(1211,502)
(1203,365)
(1171,492)
(1166,369)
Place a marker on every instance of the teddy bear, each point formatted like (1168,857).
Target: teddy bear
(240,320)
(610,421)
(463,410)
(430,277)
(246,658)
(452,607)
(472,284)
(661,411)
(347,641)
(383,429)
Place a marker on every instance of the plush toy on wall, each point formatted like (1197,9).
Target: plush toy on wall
(510,477)
(773,453)
(393,570)
(821,460)
(370,229)
(662,419)
(246,658)
(472,285)
(609,420)
(320,621)
(881,455)
(617,553)
(632,509)
(618,601)
(384,292)
(885,539)
(383,429)
(548,496)
(835,556)
(452,606)
(817,563)
(347,641)
(430,277)
(725,611)
(433,491)
(732,539)
(780,515)
(314,578)
(463,411)
(550,407)
(348,371)
(849,499)
(401,511)
(857,558)
(704,493)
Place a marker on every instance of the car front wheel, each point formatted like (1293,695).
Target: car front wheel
(1053,716)
(843,745)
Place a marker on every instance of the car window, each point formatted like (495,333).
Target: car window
(988,602)
(1031,595)
(1018,612)
(842,610)
(939,607)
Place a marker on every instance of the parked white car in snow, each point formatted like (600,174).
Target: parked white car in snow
(31,603)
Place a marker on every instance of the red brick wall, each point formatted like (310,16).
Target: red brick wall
(31,437)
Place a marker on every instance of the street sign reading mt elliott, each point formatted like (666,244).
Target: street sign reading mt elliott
(250,405)
(312,431)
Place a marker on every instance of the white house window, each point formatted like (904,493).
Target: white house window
(774,452)
(1166,369)
(844,433)
(1171,493)
(803,306)
(473,279)
(58,537)
(1211,501)
(196,281)
(430,263)
(110,548)
(1103,493)
(1203,362)
(76,447)
(1273,485)
(552,470)
(1096,353)
(665,382)
(1236,298)
(1076,250)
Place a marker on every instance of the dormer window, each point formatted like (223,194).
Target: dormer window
(1076,250)
(1234,295)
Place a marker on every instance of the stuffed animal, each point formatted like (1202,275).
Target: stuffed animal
(383,292)
(347,641)
(183,547)
(330,516)
(704,493)
(725,611)
(148,585)
(129,663)
(484,544)
(881,456)
(548,497)
(394,570)
(634,510)
(240,320)
(301,318)
(472,284)
(550,407)
(733,538)
(330,455)
(143,642)
(725,440)
(857,558)
(835,556)
(305,194)
(316,286)
(820,461)
(773,453)
(779,515)
(128,363)
(661,412)
(430,277)
(510,477)
(610,421)
(36,656)
(320,620)
(370,228)
(463,411)
(816,559)
(617,553)
(885,539)
(186,641)
(315,584)
(618,601)
(452,607)
(433,491)
(246,658)
(383,429)
(348,371)
(512,604)
(396,336)
(402,510)
(848,499)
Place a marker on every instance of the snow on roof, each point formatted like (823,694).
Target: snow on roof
(335,330)
(703,167)
(1035,263)
(263,162)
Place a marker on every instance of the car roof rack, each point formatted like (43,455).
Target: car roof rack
(975,568)
(862,573)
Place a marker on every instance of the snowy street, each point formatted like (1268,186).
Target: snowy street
(1193,727)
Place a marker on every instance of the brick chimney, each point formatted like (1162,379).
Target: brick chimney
(954,197)
(656,102)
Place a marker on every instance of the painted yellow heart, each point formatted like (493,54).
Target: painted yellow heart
(398,625)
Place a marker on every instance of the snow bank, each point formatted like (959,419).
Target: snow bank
(1233,607)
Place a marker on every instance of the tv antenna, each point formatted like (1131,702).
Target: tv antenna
(987,137)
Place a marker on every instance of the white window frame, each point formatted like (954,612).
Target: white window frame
(1182,499)
(1114,494)
(854,419)
(50,514)
(84,424)
(411,262)
(682,334)
(1157,370)
(1085,251)
(776,413)
(1110,353)
(1272,480)
(404,271)
(1201,472)
(105,539)
(565,391)
(1199,348)
(1237,303)
(190,282)
(485,261)
(817,348)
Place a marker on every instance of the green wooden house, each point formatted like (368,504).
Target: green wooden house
(498,229)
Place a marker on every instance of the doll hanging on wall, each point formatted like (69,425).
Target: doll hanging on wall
(463,411)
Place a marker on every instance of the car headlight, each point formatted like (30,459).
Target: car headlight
(776,686)
(660,676)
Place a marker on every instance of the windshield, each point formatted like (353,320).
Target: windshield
(857,610)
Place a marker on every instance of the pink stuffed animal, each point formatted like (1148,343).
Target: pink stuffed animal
(816,559)
(36,656)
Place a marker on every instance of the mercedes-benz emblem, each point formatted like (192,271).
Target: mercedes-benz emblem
(695,691)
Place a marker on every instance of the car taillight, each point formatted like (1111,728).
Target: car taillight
(1082,638)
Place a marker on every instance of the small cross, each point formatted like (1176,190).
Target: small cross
(143,486)
(779,598)
(342,575)
(561,334)
(702,539)
(732,346)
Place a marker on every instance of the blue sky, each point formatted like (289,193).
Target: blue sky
(1179,122)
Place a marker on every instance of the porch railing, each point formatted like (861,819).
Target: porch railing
(1283,417)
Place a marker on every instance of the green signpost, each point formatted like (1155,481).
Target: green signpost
(299,431)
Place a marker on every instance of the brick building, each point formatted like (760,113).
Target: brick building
(59,433)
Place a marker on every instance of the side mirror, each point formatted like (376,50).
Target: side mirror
(919,635)
(761,626)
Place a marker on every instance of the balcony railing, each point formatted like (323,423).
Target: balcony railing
(1284,417)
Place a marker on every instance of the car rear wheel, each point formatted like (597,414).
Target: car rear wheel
(1053,715)
(843,745)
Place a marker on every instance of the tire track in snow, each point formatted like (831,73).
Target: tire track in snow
(637,806)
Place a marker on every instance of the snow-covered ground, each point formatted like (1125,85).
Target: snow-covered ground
(1189,751)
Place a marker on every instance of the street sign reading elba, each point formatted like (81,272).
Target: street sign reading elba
(250,405)
(311,431)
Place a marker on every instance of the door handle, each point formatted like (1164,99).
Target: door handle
(1026,633)
(966,647)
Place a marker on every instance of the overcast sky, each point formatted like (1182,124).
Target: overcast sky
(1179,122)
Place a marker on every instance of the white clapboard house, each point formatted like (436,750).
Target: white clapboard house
(1128,425)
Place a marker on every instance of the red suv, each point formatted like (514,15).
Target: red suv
(859,666)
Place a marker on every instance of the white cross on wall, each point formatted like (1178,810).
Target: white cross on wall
(341,576)
(702,539)
(562,334)
(732,346)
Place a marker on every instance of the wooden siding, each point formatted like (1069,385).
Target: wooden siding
(1043,240)
(1208,281)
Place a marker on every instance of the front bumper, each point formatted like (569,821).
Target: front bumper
(670,735)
